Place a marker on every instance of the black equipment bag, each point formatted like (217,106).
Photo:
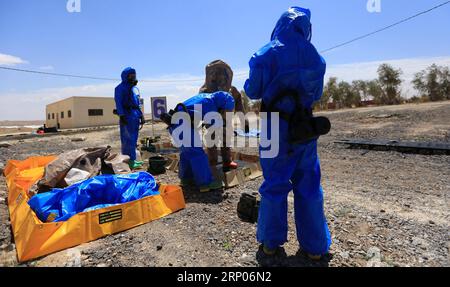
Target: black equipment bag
(303,126)
(248,207)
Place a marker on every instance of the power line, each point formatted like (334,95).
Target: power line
(96,78)
(240,74)
(105,79)
(57,74)
(385,28)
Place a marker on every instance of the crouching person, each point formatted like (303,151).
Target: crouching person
(194,166)
(288,75)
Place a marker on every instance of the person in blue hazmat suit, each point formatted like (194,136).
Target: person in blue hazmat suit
(290,62)
(194,166)
(128,107)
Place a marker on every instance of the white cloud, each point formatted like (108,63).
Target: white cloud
(30,105)
(9,60)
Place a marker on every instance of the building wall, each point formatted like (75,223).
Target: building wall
(53,114)
(80,116)
(84,119)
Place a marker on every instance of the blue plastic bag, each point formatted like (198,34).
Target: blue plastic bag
(94,193)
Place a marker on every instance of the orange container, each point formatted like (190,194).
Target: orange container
(34,238)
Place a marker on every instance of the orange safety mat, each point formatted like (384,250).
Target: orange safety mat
(34,238)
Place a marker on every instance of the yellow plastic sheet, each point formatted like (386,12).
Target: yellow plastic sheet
(34,238)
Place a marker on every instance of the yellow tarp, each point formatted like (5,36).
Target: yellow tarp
(34,238)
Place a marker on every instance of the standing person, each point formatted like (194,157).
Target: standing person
(290,64)
(128,106)
(194,167)
(219,77)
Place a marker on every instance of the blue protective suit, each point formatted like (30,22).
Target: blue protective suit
(194,163)
(128,104)
(291,62)
(94,193)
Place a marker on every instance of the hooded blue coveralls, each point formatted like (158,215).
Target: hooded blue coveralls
(194,163)
(128,104)
(291,62)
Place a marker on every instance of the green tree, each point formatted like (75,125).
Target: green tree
(374,90)
(445,76)
(362,88)
(433,83)
(350,97)
(333,92)
(389,81)
(328,91)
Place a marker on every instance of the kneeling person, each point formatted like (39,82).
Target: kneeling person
(194,165)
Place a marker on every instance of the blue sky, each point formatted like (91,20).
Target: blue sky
(174,39)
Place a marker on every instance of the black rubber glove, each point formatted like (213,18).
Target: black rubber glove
(166,118)
(142,122)
(123,120)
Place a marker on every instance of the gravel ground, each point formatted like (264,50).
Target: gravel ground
(384,208)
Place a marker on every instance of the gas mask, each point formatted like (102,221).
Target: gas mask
(132,80)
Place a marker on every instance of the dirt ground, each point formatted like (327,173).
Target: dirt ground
(14,130)
(18,127)
(384,208)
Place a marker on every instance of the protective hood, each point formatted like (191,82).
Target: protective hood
(296,22)
(219,77)
(125,74)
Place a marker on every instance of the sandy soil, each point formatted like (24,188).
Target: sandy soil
(384,208)
(18,127)
(14,130)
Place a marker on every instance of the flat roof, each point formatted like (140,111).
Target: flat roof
(81,97)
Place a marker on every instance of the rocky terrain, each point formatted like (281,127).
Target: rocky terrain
(384,208)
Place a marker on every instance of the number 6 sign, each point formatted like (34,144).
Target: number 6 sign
(159,106)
